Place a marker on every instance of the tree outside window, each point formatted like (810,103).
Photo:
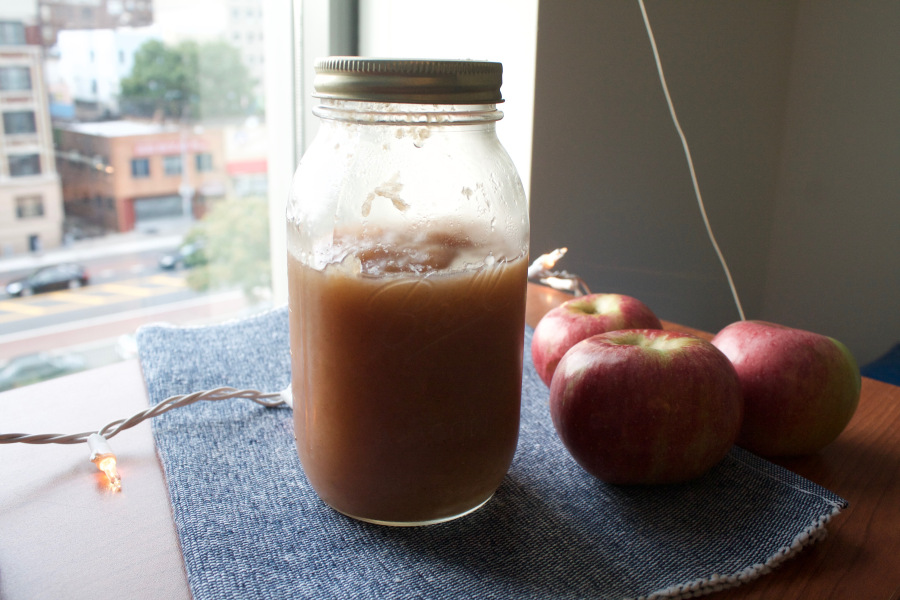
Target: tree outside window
(191,80)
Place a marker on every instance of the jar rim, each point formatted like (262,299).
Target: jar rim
(405,114)
(408,81)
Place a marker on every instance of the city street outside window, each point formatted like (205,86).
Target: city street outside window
(23,165)
(140,167)
(165,94)
(19,121)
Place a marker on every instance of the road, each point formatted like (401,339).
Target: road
(125,292)
(106,267)
(65,308)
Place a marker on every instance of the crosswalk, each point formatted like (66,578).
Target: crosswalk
(102,294)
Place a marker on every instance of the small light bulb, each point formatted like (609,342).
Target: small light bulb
(545,262)
(102,456)
(107,464)
(548,261)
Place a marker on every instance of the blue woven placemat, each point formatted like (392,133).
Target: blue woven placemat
(250,526)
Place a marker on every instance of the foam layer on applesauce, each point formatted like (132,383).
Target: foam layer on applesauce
(375,252)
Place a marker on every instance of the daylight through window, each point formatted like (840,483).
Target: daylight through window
(134,146)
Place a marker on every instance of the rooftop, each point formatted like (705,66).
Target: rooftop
(120,128)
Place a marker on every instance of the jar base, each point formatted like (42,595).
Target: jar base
(416,523)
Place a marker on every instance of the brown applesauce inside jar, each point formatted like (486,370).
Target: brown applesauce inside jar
(407,371)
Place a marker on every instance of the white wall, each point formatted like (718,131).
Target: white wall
(790,109)
(834,262)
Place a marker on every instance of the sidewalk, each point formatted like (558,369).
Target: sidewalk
(82,250)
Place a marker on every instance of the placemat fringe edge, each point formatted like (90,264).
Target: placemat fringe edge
(700,587)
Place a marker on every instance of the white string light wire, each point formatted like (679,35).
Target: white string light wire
(687,154)
(101,453)
(109,430)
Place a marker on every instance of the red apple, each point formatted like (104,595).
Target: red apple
(800,388)
(646,406)
(580,318)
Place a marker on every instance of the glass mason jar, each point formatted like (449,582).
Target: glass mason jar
(407,257)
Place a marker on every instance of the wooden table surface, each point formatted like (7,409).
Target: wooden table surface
(64,535)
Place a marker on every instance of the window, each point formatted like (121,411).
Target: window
(28,207)
(15,79)
(140,167)
(12,33)
(19,121)
(204,162)
(110,186)
(23,165)
(269,130)
(172,165)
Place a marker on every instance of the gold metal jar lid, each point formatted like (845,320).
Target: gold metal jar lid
(408,81)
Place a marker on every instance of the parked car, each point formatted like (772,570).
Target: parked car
(32,368)
(46,279)
(187,256)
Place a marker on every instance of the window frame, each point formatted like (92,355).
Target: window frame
(295,34)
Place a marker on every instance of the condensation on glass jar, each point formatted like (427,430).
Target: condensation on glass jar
(407,258)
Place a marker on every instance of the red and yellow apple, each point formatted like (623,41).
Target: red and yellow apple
(580,318)
(646,406)
(800,388)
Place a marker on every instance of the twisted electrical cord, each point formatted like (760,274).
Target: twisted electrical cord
(269,400)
